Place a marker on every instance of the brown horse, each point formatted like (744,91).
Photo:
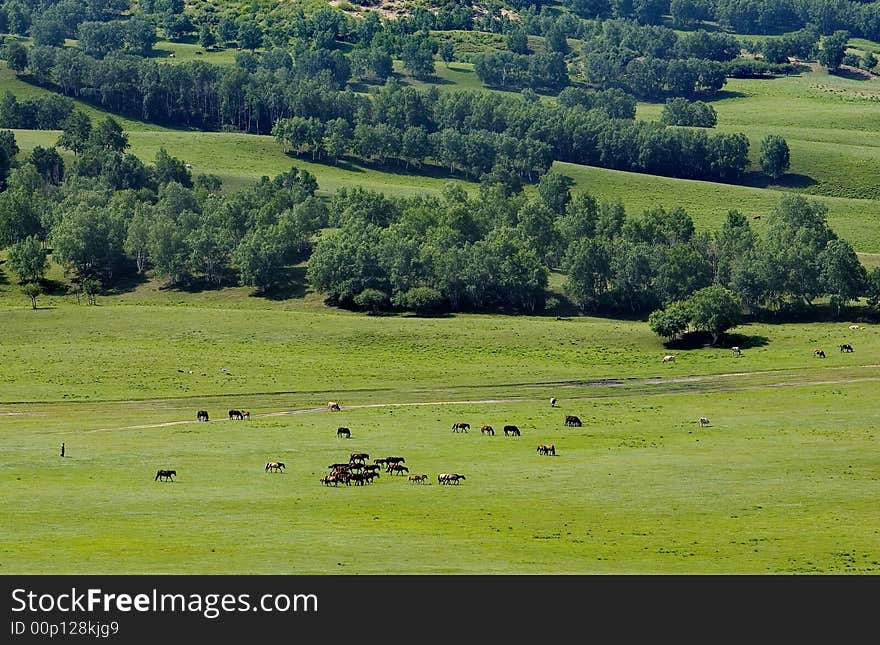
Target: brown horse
(418,479)
(275,466)
(461,427)
(487,430)
(546,449)
(398,469)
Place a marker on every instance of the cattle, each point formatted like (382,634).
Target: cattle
(487,430)
(818,353)
(736,351)
(343,432)
(202,415)
(704,421)
(333,406)
(572,421)
(461,427)
(846,347)
(511,430)
(669,358)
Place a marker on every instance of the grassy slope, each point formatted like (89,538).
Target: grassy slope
(830,123)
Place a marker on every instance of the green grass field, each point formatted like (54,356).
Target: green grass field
(784,480)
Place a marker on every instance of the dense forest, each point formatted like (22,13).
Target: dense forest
(323,85)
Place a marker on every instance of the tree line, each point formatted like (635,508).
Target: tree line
(108,216)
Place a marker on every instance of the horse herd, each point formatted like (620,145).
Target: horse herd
(356,471)
(509,430)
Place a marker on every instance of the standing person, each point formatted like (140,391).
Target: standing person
(62,448)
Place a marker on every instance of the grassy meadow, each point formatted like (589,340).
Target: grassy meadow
(784,480)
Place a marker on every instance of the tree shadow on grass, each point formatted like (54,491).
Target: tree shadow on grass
(702,340)
(791,181)
(127,283)
(292,284)
(853,74)
(54,287)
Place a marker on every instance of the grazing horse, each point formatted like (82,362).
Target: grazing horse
(736,351)
(846,347)
(333,406)
(487,430)
(546,449)
(572,421)
(343,432)
(511,430)
(552,402)
(370,476)
(398,469)
(245,414)
(202,415)
(357,478)
(449,478)
(275,466)
(461,427)
(418,479)
(236,414)
(330,479)
(358,457)
(704,422)
(165,475)
(818,353)
(669,358)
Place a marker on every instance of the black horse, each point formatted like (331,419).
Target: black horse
(846,347)
(165,475)
(511,430)
(571,420)
(343,432)
(236,414)
(202,415)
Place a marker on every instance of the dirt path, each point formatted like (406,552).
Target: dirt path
(605,383)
